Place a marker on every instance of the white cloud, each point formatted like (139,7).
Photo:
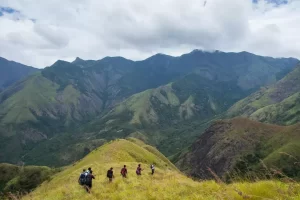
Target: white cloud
(92,29)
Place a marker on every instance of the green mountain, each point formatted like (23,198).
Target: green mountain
(11,72)
(241,148)
(67,105)
(277,104)
(169,116)
(166,183)
(47,103)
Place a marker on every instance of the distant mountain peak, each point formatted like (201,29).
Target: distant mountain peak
(77,59)
(113,58)
(60,62)
(11,72)
(159,56)
(205,51)
(63,63)
(197,50)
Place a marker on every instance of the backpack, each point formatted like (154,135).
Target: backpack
(82,178)
(88,179)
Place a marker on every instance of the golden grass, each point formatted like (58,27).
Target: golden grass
(167,182)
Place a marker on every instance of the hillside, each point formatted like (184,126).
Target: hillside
(277,104)
(246,148)
(20,179)
(61,96)
(171,116)
(167,182)
(65,96)
(11,72)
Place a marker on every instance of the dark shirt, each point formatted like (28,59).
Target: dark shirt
(89,179)
(110,173)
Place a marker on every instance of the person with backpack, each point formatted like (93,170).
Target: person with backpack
(82,176)
(124,172)
(139,170)
(152,168)
(89,170)
(110,174)
(89,181)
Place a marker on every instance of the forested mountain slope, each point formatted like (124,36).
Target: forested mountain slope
(66,96)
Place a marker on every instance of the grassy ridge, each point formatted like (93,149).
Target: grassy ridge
(167,183)
(36,93)
(277,104)
(245,149)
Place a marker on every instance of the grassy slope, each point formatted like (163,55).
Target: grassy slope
(22,179)
(276,104)
(34,110)
(167,183)
(37,92)
(242,145)
(190,97)
(171,116)
(37,98)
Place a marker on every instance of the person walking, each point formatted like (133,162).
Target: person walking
(110,174)
(89,182)
(139,170)
(152,168)
(124,172)
(82,177)
(89,170)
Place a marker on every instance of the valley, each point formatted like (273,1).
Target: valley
(166,101)
(231,117)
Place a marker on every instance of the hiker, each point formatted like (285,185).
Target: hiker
(110,174)
(88,181)
(124,172)
(139,170)
(82,176)
(89,170)
(152,168)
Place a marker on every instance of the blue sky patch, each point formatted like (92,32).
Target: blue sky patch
(6,10)
(277,2)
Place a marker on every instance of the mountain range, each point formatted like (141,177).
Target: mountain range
(57,115)
(63,108)
(215,115)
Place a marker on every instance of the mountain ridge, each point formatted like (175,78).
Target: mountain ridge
(275,104)
(11,72)
(166,183)
(72,95)
(243,148)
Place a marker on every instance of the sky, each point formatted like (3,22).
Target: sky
(37,33)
